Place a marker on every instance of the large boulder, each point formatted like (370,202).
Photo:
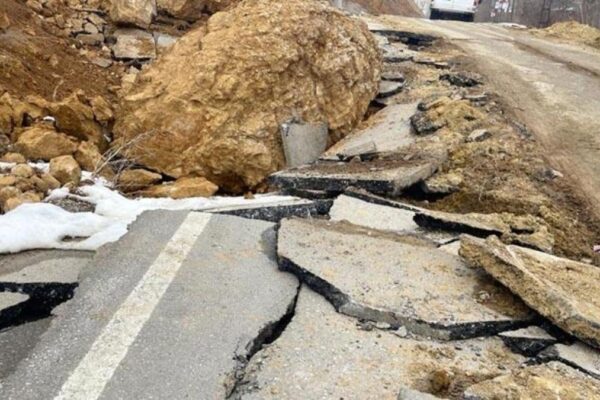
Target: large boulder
(133,12)
(212,105)
(44,143)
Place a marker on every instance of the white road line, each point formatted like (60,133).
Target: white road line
(97,367)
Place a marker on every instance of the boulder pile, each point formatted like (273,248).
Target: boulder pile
(212,106)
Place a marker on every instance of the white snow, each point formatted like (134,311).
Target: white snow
(46,226)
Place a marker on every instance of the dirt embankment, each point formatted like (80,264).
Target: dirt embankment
(572,31)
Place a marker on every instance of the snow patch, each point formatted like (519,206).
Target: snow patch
(46,226)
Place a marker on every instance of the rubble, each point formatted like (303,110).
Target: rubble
(527,341)
(397,280)
(43,143)
(133,12)
(182,188)
(577,355)
(132,180)
(442,183)
(300,208)
(389,88)
(555,287)
(462,79)
(332,84)
(547,381)
(133,44)
(322,353)
(66,170)
(387,131)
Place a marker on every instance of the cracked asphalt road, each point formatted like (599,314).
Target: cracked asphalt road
(553,87)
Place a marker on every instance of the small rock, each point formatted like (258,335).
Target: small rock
(22,171)
(91,39)
(17,158)
(462,79)
(479,135)
(101,62)
(164,41)
(134,12)
(410,394)
(7,180)
(101,109)
(424,125)
(389,88)
(183,188)
(66,170)
(50,181)
(394,76)
(443,183)
(4,22)
(88,156)
(132,180)
(133,44)
(90,28)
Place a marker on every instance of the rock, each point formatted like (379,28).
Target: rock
(387,131)
(410,394)
(577,355)
(547,381)
(389,88)
(133,44)
(66,170)
(4,22)
(76,118)
(132,180)
(557,288)
(101,62)
(523,230)
(13,158)
(183,188)
(479,135)
(456,115)
(96,39)
(378,176)
(164,41)
(443,183)
(527,341)
(224,123)
(396,279)
(22,171)
(50,181)
(322,354)
(303,143)
(8,192)
(88,156)
(462,79)
(41,143)
(133,12)
(7,180)
(423,124)
(394,76)
(14,202)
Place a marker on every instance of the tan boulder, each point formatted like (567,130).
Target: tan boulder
(50,181)
(76,118)
(22,171)
(133,12)
(65,169)
(14,202)
(132,180)
(7,180)
(13,158)
(101,109)
(7,193)
(42,143)
(88,156)
(212,105)
(183,188)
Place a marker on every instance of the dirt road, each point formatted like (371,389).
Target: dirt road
(554,88)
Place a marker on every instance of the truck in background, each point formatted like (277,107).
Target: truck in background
(463,10)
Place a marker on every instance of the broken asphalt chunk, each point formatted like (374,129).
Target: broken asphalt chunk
(389,88)
(559,289)
(577,355)
(397,280)
(384,176)
(11,305)
(302,208)
(547,381)
(462,79)
(410,38)
(527,341)
(388,131)
(322,354)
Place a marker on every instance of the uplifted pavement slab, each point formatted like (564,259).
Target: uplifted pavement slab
(398,280)
(578,355)
(561,290)
(527,341)
(17,341)
(323,355)
(385,218)
(521,230)
(547,381)
(383,176)
(389,130)
(303,208)
(11,305)
(172,310)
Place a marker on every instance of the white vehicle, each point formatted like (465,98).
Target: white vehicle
(453,9)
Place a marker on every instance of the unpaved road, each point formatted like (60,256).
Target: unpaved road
(553,87)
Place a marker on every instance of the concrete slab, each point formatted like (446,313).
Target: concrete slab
(172,310)
(303,143)
(557,288)
(274,213)
(389,88)
(548,381)
(527,341)
(396,280)
(577,355)
(323,355)
(388,131)
(377,176)
(383,218)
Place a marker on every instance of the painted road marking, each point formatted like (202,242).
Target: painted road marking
(98,366)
